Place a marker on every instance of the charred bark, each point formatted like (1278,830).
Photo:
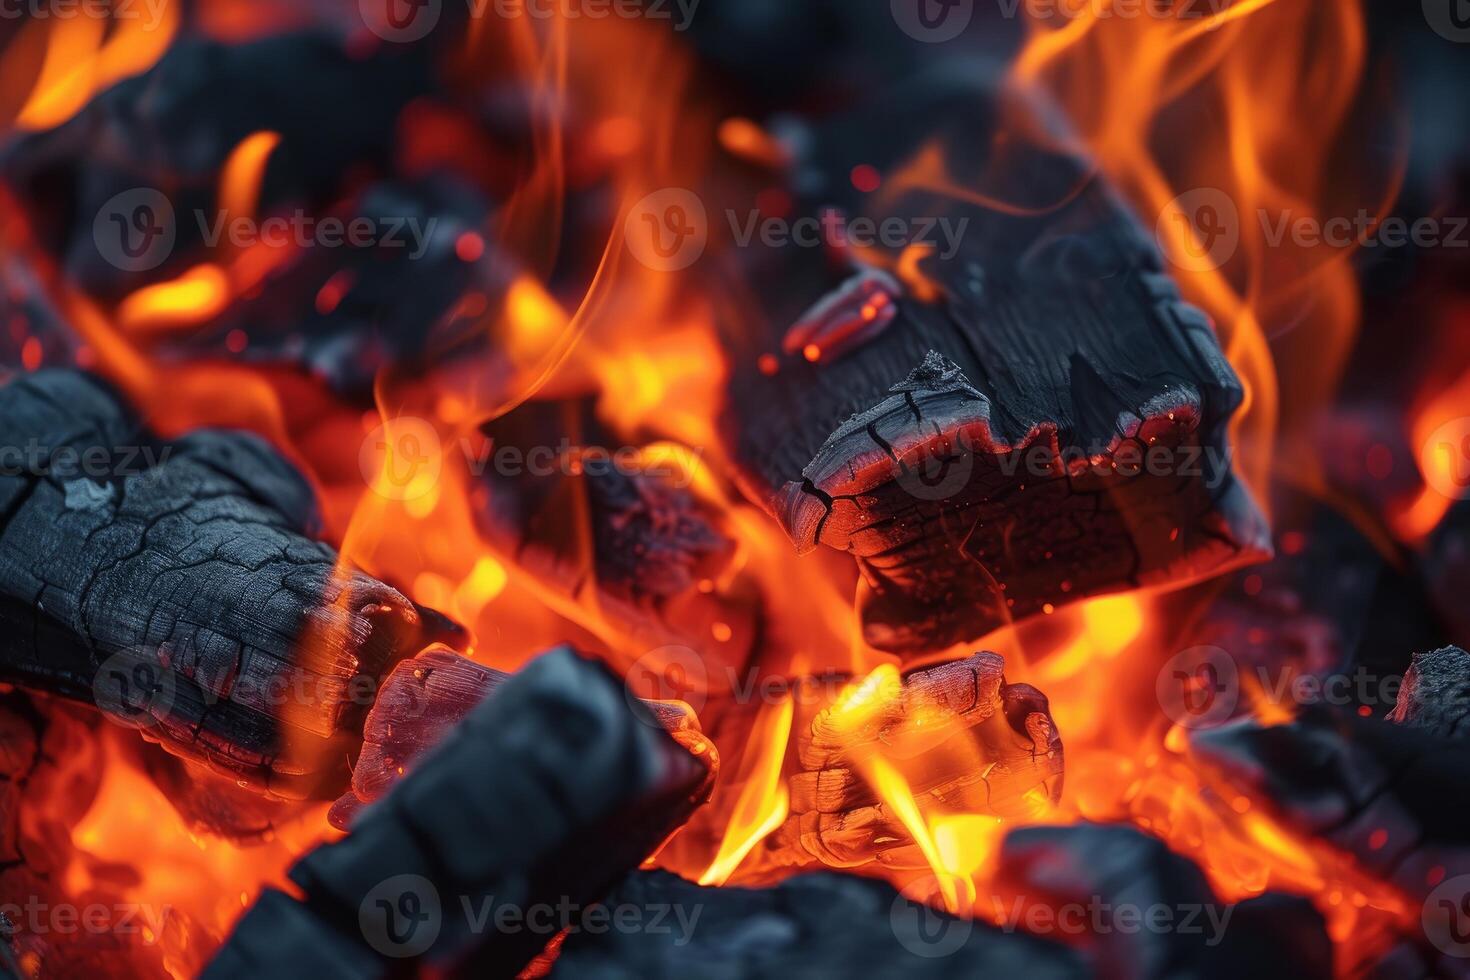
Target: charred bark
(547,793)
(176,586)
(1391,796)
(1435,695)
(615,530)
(1041,419)
(424,699)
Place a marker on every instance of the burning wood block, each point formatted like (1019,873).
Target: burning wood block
(961,739)
(822,924)
(1070,902)
(1435,695)
(1087,882)
(175,586)
(1391,796)
(422,701)
(1042,419)
(617,529)
(545,794)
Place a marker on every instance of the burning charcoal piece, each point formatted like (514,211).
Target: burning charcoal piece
(347,313)
(50,772)
(820,924)
(174,585)
(1110,876)
(547,793)
(422,701)
(172,128)
(1435,695)
(645,546)
(981,745)
(1043,420)
(1393,797)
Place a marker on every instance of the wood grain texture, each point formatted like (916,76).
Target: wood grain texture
(176,585)
(987,453)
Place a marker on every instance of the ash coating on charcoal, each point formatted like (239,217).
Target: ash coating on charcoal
(1056,329)
(549,791)
(176,584)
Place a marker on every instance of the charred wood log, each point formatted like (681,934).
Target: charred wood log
(816,924)
(175,586)
(548,792)
(1060,908)
(1435,695)
(424,699)
(1041,419)
(1391,796)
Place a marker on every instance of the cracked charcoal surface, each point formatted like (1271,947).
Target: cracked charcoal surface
(1078,340)
(176,584)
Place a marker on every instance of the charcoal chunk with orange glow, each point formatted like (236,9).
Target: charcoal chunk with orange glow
(955,738)
(1034,418)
